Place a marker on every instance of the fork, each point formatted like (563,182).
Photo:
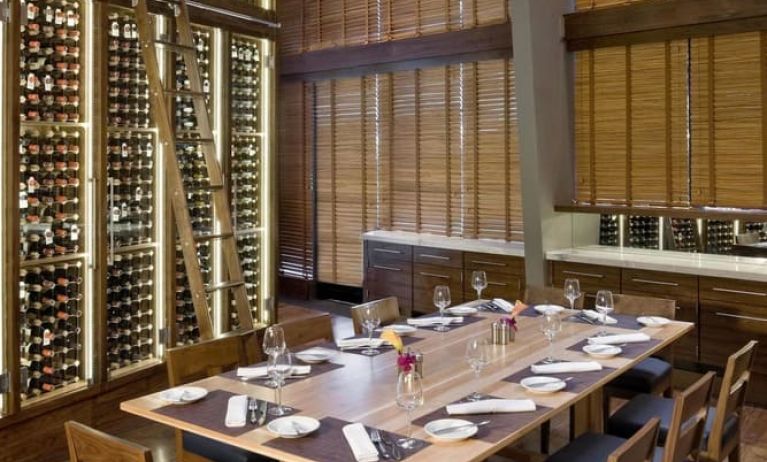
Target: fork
(375,437)
(395,450)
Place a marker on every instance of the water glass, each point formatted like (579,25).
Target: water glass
(479,282)
(442,301)
(572,291)
(604,305)
(478,357)
(551,325)
(279,367)
(409,398)
(370,321)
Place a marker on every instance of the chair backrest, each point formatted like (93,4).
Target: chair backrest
(309,330)
(641,446)
(89,445)
(536,295)
(388,310)
(732,396)
(688,420)
(648,306)
(194,362)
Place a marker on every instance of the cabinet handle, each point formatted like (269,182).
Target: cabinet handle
(737,316)
(588,275)
(657,283)
(378,249)
(488,263)
(387,268)
(502,284)
(432,275)
(741,292)
(436,257)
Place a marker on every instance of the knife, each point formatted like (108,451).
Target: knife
(263,409)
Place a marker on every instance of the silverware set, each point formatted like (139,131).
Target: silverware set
(258,410)
(382,442)
(491,306)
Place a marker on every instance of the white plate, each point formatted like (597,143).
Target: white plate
(462,310)
(653,321)
(315,355)
(602,351)
(542,384)
(549,309)
(285,427)
(458,435)
(402,330)
(183,395)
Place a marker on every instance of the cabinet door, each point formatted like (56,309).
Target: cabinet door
(426,278)
(591,277)
(499,285)
(381,282)
(726,326)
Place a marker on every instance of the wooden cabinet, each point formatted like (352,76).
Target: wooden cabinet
(426,278)
(592,278)
(389,272)
(505,275)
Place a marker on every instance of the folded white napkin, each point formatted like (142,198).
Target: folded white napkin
(261,371)
(434,320)
(236,411)
(617,339)
(359,343)
(491,406)
(564,367)
(594,316)
(503,304)
(359,441)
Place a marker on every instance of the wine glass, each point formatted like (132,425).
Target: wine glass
(279,367)
(478,357)
(479,282)
(604,305)
(370,320)
(551,325)
(442,301)
(274,341)
(409,398)
(572,291)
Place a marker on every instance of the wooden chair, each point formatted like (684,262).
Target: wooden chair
(722,437)
(205,359)
(593,447)
(682,419)
(644,306)
(536,295)
(89,445)
(388,310)
(304,327)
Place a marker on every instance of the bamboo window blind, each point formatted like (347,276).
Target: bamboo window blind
(430,150)
(316,24)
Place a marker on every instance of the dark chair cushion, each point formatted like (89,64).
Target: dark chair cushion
(218,452)
(730,427)
(643,377)
(589,447)
(637,412)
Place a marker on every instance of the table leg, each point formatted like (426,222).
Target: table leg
(587,414)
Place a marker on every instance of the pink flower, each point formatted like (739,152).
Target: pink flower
(405,361)
(511,322)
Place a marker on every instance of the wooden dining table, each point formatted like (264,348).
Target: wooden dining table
(363,389)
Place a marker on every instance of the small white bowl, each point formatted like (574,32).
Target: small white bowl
(543,309)
(315,355)
(462,310)
(459,435)
(403,330)
(183,395)
(602,351)
(543,385)
(295,426)
(653,321)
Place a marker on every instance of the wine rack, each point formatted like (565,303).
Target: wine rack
(130,309)
(757,228)
(683,233)
(720,236)
(51,327)
(609,230)
(644,232)
(128,85)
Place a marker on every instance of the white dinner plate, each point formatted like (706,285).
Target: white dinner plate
(549,309)
(403,330)
(315,355)
(458,435)
(653,321)
(542,384)
(183,395)
(602,351)
(294,426)
(462,310)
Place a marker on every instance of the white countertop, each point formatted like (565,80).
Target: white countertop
(723,266)
(515,249)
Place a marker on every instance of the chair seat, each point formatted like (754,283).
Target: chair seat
(644,377)
(218,452)
(729,431)
(589,447)
(637,412)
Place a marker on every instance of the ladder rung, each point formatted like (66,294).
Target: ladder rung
(189,93)
(195,140)
(175,46)
(224,286)
(208,187)
(212,236)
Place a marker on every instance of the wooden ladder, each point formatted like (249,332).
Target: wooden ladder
(185,48)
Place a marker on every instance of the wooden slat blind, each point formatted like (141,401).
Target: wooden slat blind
(589,4)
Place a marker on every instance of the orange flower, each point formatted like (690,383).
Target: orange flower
(392,337)
(518,308)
